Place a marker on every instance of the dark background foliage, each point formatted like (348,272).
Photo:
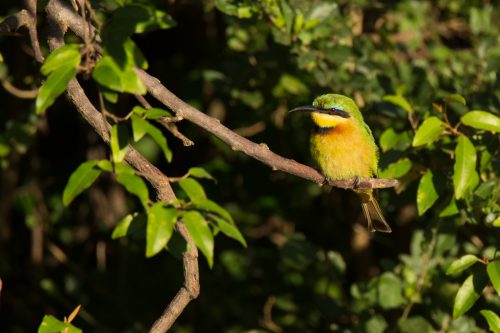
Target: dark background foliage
(310,266)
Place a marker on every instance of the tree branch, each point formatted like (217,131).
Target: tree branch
(75,93)
(31,9)
(260,151)
(188,292)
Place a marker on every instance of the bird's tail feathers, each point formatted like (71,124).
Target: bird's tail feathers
(373,214)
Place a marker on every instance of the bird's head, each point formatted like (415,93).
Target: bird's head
(331,110)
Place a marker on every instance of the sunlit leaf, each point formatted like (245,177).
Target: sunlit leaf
(397,169)
(200,232)
(428,132)
(198,172)
(51,324)
(122,226)
(109,74)
(119,142)
(481,120)
(136,19)
(135,185)
(67,56)
(450,210)
(229,229)
(461,264)
(193,189)
(161,141)
(139,127)
(156,113)
(105,165)
(392,140)
(80,179)
(492,319)
(161,222)
(465,166)
(400,101)
(212,207)
(426,193)
(468,293)
(54,86)
(455,98)
(493,270)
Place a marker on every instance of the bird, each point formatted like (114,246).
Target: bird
(343,147)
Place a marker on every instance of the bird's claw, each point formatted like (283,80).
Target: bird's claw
(356,182)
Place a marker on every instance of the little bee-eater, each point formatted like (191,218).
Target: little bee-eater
(344,148)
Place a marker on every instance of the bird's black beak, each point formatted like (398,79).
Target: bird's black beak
(332,111)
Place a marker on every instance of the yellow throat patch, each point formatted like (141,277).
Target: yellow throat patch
(326,120)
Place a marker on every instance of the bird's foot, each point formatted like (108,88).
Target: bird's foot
(355,183)
(326,181)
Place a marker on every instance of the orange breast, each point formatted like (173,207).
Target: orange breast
(344,152)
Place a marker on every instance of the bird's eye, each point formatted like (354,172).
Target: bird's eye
(337,108)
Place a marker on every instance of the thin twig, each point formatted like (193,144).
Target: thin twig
(167,122)
(31,9)
(20,93)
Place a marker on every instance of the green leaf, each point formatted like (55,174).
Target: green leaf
(493,270)
(4,150)
(161,140)
(397,169)
(198,172)
(492,319)
(80,179)
(140,127)
(105,165)
(449,210)
(228,229)
(481,120)
(212,207)
(119,142)
(455,98)
(67,56)
(468,293)
(193,189)
(51,324)
(109,74)
(135,185)
(400,101)
(496,222)
(461,264)
(392,140)
(152,113)
(428,132)
(54,86)
(390,289)
(415,324)
(465,166)
(201,234)
(121,228)
(290,85)
(161,222)
(426,193)
(156,113)
(136,19)
(376,324)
